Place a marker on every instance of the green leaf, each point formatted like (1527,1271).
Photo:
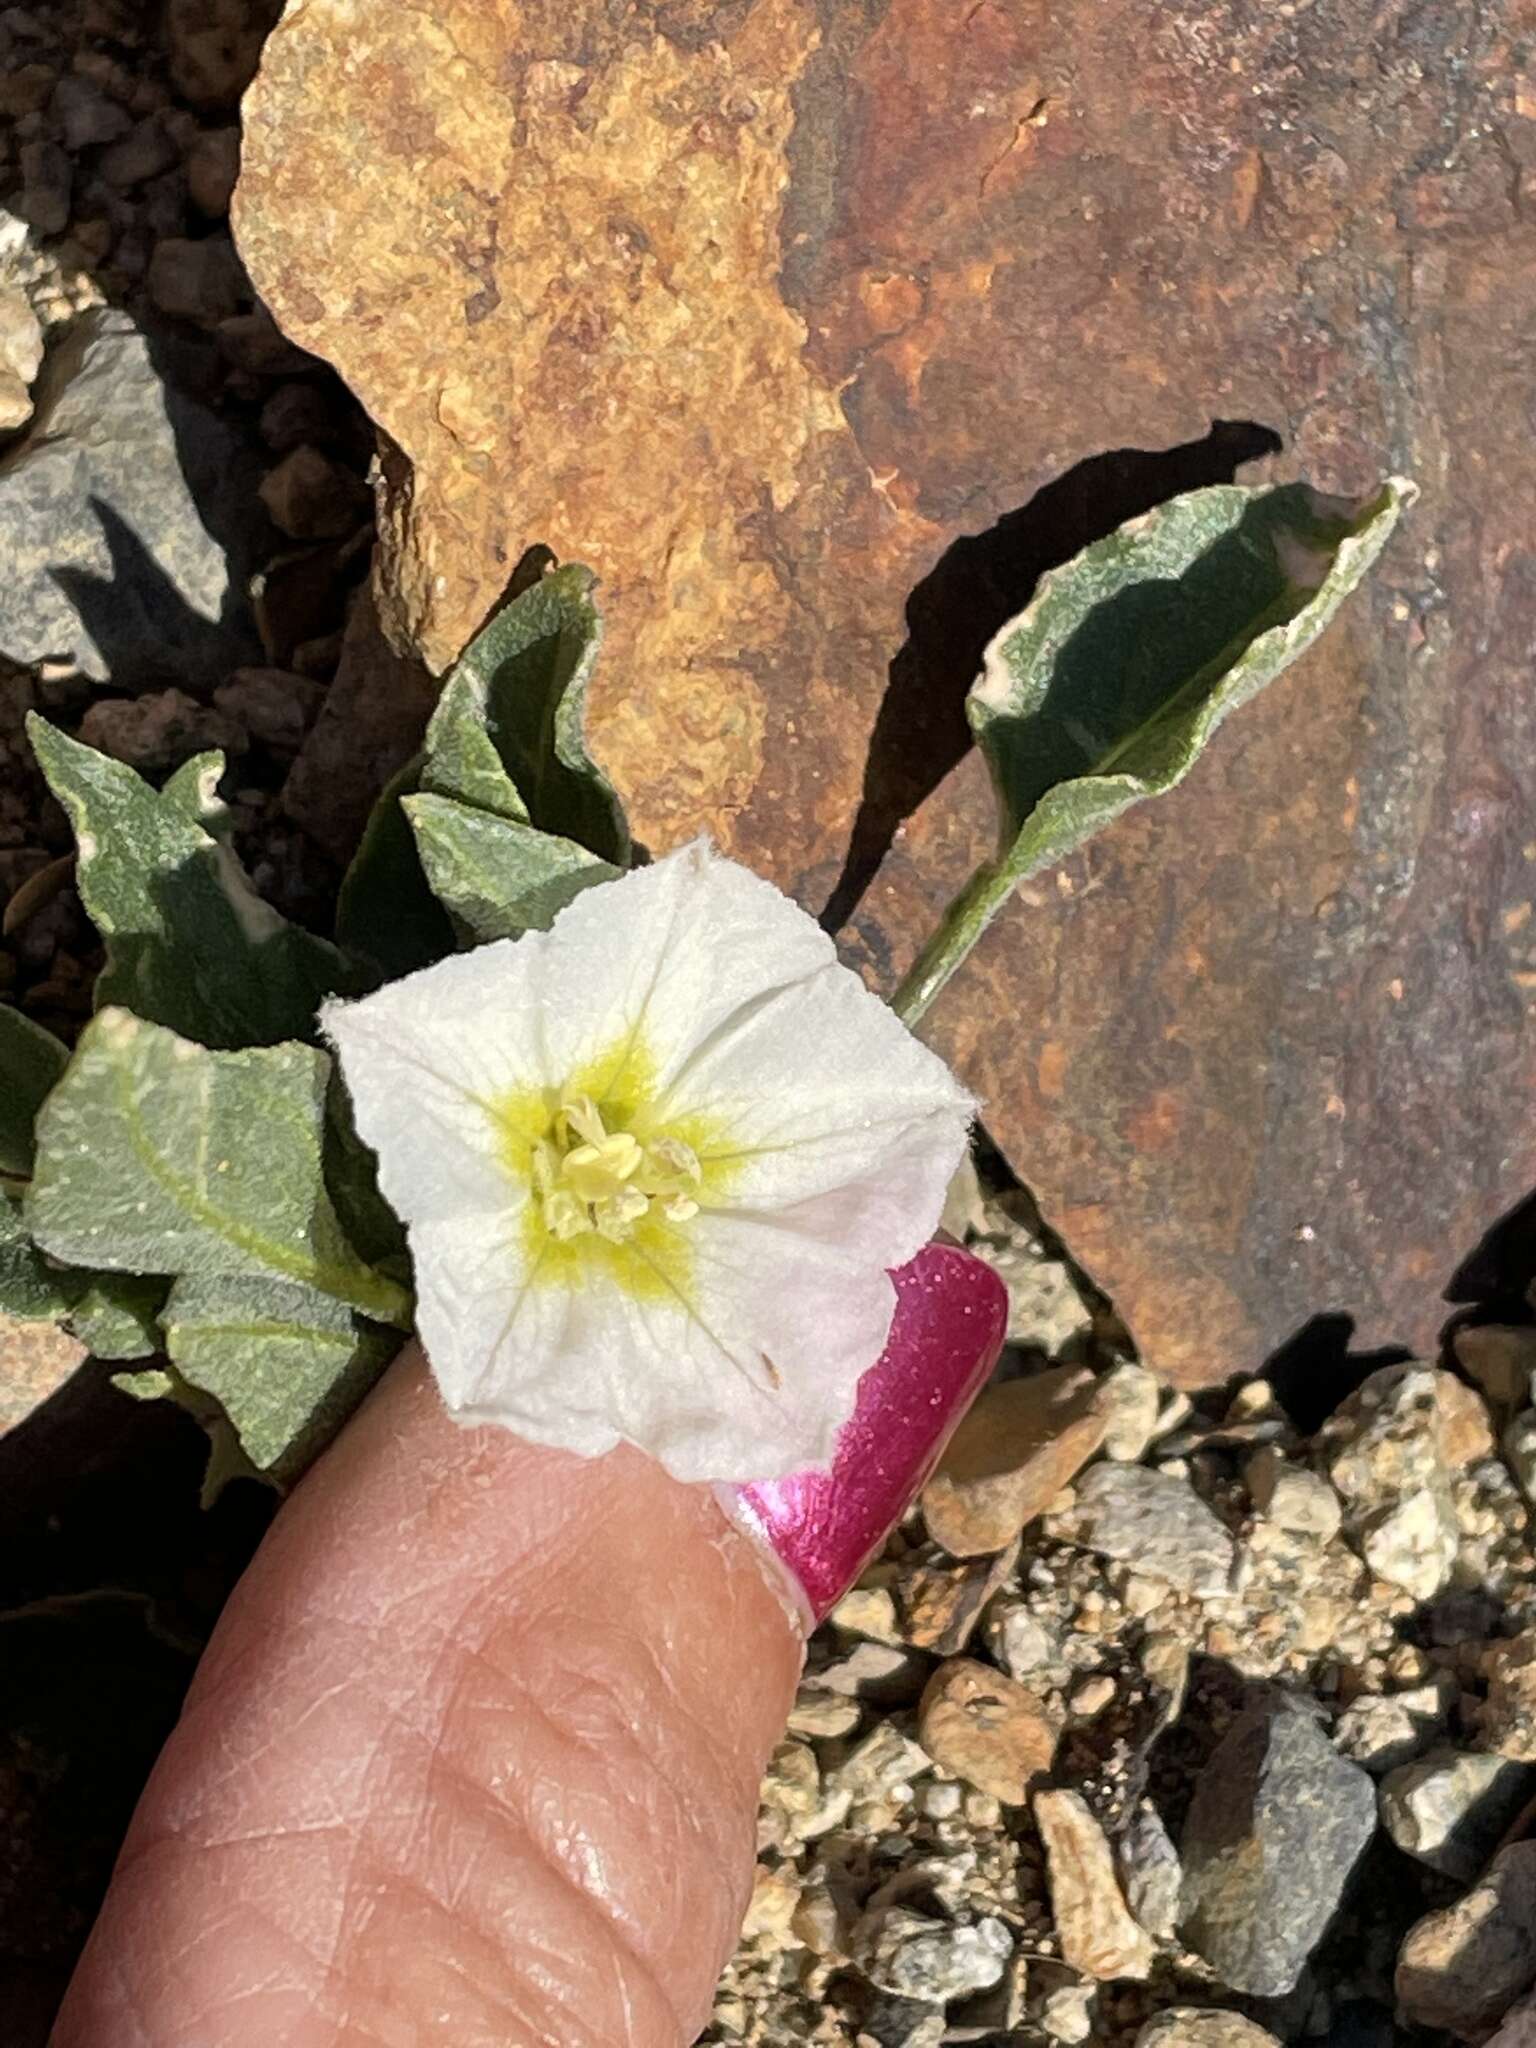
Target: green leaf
(155,1155)
(385,912)
(189,942)
(31,1061)
(498,878)
(194,789)
(286,1364)
(352,1181)
(30,1288)
(461,759)
(1106,689)
(117,1315)
(521,685)
(226,1460)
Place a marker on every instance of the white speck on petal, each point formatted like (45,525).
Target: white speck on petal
(655,1165)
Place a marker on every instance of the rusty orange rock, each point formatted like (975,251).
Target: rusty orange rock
(820,331)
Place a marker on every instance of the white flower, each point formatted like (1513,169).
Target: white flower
(655,1164)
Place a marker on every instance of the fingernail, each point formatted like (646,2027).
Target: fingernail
(824,1527)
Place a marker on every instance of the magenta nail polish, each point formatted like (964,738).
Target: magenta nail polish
(951,1315)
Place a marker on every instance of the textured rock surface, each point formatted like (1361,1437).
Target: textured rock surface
(35,1361)
(1097,1932)
(1186,2026)
(128,520)
(1277,1824)
(1384,1730)
(1021,1443)
(759,307)
(986,1728)
(1396,1444)
(1150,1520)
(1464,1967)
(1518,2029)
(1509,1712)
(914,1956)
(1452,1808)
(1150,1872)
(1502,1359)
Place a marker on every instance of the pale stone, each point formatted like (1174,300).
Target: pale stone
(21,334)
(916,1956)
(1017,1638)
(1150,1872)
(868,1611)
(986,1728)
(1383,1730)
(1092,1697)
(15,402)
(1452,1808)
(883,1762)
(1067,2014)
(823,1714)
(1519,1447)
(1508,1715)
(1191,2026)
(1131,1397)
(775,1896)
(1466,1433)
(1414,1544)
(1093,1923)
(1156,1523)
(1291,1496)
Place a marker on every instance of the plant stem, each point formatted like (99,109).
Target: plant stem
(383,1301)
(960,927)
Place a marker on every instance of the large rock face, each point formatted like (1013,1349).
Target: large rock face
(760,307)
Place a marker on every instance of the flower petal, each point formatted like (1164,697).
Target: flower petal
(666,955)
(506,1349)
(751,1375)
(425,1060)
(694,1000)
(822,1088)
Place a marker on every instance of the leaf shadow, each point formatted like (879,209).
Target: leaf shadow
(982,581)
(145,630)
(146,633)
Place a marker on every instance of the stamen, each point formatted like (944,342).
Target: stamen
(589,1178)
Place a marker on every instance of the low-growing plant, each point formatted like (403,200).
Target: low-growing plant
(185,1189)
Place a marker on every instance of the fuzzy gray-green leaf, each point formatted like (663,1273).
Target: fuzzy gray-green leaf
(30,1288)
(155,1155)
(286,1363)
(497,877)
(194,789)
(31,1061)
(189,942)
(521,684)
(461,760)
(385,912)
(1107,688)
(116,1315)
